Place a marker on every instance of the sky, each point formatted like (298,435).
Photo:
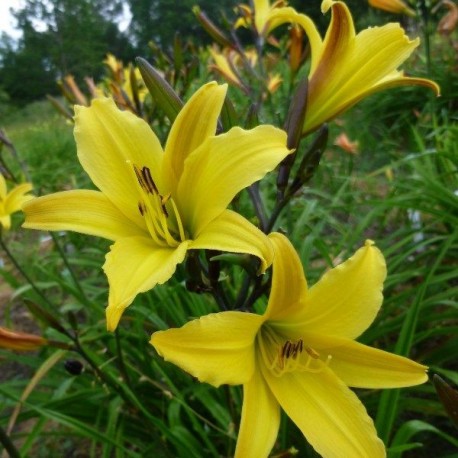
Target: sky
(6,20)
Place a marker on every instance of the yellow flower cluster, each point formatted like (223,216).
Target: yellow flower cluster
(156,203)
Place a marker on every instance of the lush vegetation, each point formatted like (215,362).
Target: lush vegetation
(106,394)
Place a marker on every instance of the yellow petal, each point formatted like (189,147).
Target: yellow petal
(193,125)
(223,166)
(5,221)
(347,298)
(288,15)
(260,419)
(88,212)
(289,285)
(109,143)
(17,197)
(3,188)
(233,233)
(365,367)
(135,265)
(217,348)
(327,412)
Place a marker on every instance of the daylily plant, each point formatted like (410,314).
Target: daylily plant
(300,355)
(157,204)
(11,202)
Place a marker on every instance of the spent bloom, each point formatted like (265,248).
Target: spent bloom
(155,203)
(11,202)
(300,355)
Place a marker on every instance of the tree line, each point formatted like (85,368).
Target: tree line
(61,37)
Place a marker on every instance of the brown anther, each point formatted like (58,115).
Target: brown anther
(312,353)
(148,180)
(141,208)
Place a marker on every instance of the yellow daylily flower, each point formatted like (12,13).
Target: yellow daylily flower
(300,355)
(11,202)
(157,204)
(264,16)
(226,65)
(392,6)
(347,67)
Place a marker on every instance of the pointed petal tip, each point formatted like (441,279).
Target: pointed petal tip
(113,316)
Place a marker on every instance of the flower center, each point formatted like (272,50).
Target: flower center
(159,212)
(282,355)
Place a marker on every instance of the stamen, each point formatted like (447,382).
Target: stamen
(288,358)
(148,180)
(152,207)
(141,208)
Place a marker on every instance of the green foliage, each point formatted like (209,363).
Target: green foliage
(400,191)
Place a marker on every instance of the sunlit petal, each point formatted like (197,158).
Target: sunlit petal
(329,414)
(235,234)
(3,188)
(217,348)
(5,222)
(193,125)
(260,419)
(223,166)
(135,265)
(109,142)
(347,298)
(88,212)
(288,282)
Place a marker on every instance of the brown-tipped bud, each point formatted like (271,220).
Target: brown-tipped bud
(60,108)
(448,397)
(296,115)
(216,33)
(161,91)
(15,340)
(75,90)
(134,87)
(296,47)
(92,87)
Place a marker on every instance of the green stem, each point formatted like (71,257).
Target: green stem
(68,267)
(21,270)
(8,444)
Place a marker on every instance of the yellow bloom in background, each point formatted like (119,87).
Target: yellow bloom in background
(347,67)
(11,202)
(157,204)
(226,65)
(301,355)
(392,6)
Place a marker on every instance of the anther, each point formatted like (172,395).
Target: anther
(148,180)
